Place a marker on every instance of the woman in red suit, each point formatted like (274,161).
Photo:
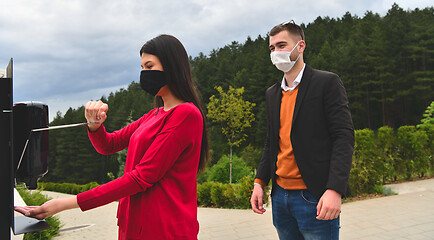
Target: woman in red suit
(166,148)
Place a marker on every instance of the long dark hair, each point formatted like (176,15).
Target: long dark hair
(177,71)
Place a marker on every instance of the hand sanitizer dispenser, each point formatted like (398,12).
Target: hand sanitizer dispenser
(30,148)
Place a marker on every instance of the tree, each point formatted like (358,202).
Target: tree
(428,115)
(234,114)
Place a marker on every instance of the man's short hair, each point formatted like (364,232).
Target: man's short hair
(289,26)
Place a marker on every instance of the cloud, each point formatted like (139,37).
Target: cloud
(66,52)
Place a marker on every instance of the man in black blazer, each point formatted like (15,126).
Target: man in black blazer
(314,130)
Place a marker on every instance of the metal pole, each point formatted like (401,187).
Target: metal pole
(6,158)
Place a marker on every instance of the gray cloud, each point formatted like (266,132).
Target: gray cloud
(68,52)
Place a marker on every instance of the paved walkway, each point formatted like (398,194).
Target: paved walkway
(408,215)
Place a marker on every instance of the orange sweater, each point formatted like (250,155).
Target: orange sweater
(288,174)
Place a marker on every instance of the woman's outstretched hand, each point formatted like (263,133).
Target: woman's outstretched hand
(95,112)
(49,208)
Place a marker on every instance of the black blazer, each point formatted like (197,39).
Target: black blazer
(322,133)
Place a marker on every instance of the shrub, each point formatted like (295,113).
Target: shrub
(220,171)
(90,185)
(68,188)
(245,192)
(386,147)
(215,194)
(204,194)
(203,177)
(412,155)
(230,192)
(217,197)
(421,153)
(428,128)
(364,175)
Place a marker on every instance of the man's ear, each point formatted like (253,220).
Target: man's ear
(301,46)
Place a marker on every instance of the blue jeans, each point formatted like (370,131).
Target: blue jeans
(294,216)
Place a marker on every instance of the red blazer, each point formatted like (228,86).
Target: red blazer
(158,192)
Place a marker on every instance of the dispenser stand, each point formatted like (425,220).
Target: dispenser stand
(20,224)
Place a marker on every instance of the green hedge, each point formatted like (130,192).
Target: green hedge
(224,195)
(364,175)
(388,156)
(35,198)
(69,188)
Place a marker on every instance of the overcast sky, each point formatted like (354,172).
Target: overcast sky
(68,52)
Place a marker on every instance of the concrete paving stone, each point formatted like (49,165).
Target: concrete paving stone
(425,227)
(377,237)
(257,238)
(429,218)
(360,233)
(242,226)
(348,229)
(397,234)
(219,231)
(248,234)
(403,223)
(248,230)
(271,232)
(411,221)
(366,225)
(389,227)
(205,238)
(429,234)
(271,237)
(419,237)
(346,222)
(412,231)
(374,231)
(385,237)
(345,236)
(222,235)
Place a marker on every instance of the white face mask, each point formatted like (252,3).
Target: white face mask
(282,59)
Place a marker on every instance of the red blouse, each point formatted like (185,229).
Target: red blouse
(158,192)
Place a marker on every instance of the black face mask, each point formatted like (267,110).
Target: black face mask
(152,81)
